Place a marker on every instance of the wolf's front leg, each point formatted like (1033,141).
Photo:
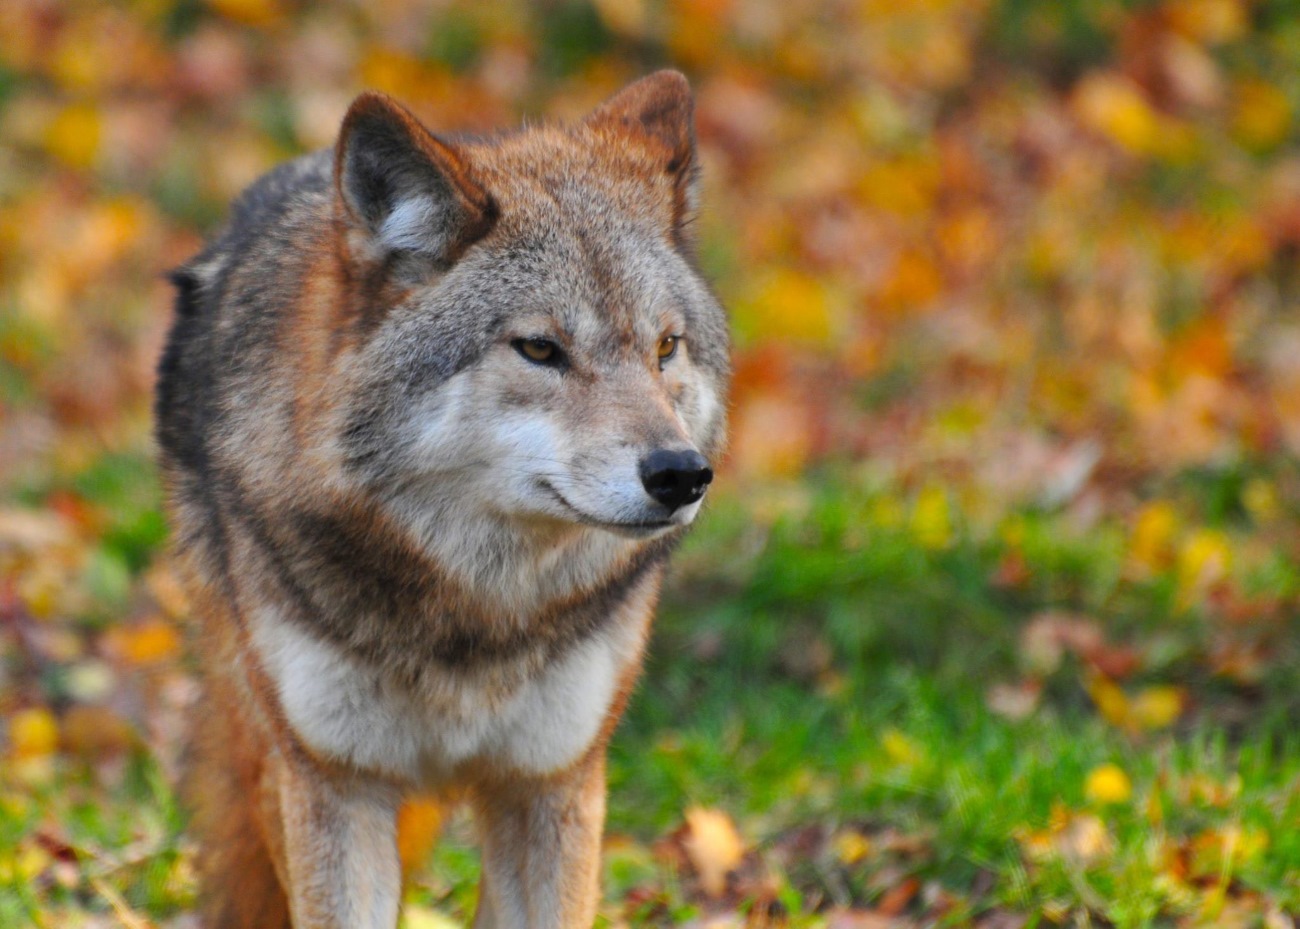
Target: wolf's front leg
(337,847)
(541,849)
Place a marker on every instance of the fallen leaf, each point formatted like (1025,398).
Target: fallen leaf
(1085,839)
(863,919)
(1158,706)
(1117,108)
(899,748)
(419,823)
(1014,701)
(850,846)
(931,522)
(149,643)
(1108,784)
(421,917)
(714,847)
(894,900)
(1111,701)
(1151,545)
(94,732)
(33,733)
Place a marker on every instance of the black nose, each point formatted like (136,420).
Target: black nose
(675,478)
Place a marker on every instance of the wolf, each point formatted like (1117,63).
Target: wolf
(432,414)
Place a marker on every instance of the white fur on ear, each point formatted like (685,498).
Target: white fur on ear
(405,191)
(416,224)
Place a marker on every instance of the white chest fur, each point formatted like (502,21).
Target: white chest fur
(356,714)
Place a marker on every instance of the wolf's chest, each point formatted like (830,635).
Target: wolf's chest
(352,713)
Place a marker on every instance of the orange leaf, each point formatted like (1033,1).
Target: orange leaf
(419,823)
(714,847)
(151,642)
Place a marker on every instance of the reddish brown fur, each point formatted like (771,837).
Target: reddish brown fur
(268,524)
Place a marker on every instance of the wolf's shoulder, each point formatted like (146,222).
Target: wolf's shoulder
(261,239)
(263,208)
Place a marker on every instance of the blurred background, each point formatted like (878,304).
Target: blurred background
(992,617)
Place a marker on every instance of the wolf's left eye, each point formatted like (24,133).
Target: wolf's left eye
(668,347)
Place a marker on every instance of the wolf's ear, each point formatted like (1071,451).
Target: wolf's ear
(658,113)
(408,192)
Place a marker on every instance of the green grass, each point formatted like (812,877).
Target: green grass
(829,668)
(895,731)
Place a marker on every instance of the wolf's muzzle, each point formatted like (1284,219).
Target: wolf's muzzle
(675,478)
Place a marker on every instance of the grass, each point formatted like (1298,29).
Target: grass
(827,669)
(895,729)
(821,672)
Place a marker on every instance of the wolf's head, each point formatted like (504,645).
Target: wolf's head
(531,340)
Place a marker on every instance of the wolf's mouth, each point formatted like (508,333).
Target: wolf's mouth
(633,528)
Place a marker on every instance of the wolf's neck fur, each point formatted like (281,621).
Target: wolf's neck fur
(518,568)
(358,580)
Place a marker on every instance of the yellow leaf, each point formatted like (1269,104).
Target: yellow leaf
(696,29)
(851,846)
(1203,560)
(35,772)
(419,822)
(73,135)
(30,861)
(905,187)
(899,748)
(1261,116)
(1116,107)
(628,17)
(1151,544)
(80,61)
(1108,784)
(787,305)
(932,518)
(886,512)
(1260,499)
(714,847)
(1158,706)
(1209,21)
(44,588)
(402,75)
(33,733)
(1112,703)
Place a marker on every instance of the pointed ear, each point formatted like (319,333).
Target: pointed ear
(658,112)
(405,191)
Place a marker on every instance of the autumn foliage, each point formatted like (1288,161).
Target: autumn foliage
(1027,271)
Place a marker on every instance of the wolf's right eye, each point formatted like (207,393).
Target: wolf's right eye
(540,351)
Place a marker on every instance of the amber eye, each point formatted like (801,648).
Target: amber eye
(539,351)
(668,347)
